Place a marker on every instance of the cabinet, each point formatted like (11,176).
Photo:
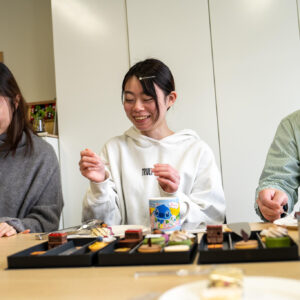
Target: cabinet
(53,141)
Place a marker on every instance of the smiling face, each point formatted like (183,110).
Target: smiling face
(141,109)
(5,114)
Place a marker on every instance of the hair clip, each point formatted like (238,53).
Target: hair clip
(146,77)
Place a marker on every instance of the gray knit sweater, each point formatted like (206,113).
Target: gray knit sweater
(30,187)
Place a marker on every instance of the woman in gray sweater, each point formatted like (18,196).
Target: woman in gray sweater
(30,185)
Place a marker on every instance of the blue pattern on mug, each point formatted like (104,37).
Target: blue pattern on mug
(165,213)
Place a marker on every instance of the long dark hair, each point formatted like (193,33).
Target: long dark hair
(148,72)
(19,122)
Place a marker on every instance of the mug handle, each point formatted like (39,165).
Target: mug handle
(182,219)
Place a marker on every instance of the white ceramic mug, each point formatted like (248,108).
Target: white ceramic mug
(165,213)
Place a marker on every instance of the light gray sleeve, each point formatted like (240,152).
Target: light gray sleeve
(282,166)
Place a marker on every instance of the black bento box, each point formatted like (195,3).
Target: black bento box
(229,254)
(57,257)
(61,257)
(107,256)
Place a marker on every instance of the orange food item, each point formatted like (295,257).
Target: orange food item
(37,252)
(215,246)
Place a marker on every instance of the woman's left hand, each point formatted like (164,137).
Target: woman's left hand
(167,177)
(7,230)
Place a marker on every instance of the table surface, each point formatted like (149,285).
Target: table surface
(111,282)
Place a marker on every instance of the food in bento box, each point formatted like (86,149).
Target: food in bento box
(158,239)
(214,234)
(158,231)
(224,284)
(279,242)
(128,243)
(37,252)
(215,246)
(132,238)
(181,238)
(134,234)
(177,248)
(99,231)
(56,239)
(97,246)
(149,248)
(250,244)
(275,237)
(274,231)
(124,249)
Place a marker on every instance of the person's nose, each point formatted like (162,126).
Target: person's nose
(138,105)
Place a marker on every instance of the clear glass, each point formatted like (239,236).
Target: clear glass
(39,125)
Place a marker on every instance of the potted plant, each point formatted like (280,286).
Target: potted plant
(38,119)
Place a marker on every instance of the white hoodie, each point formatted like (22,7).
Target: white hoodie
(123,198)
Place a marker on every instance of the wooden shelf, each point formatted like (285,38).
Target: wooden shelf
(50,124)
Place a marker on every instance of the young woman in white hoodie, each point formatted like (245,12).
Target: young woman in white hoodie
(150,160)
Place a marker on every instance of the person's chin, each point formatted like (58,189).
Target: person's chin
(142,128)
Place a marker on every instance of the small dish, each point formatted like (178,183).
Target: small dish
(255,287)
(289,222)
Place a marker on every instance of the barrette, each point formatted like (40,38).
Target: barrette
(146,77)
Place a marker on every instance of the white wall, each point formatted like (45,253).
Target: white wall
(257,69)
(91,57)
(26,40)
(179,36)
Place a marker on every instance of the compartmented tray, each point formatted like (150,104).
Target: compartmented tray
(107,257)
(57,257)
(229,254)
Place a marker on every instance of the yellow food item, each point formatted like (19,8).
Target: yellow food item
(99,231)
(122,249)
(97,246)
(251,244)
(224,277)
(224,284)
(226,229)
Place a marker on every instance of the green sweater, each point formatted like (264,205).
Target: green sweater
(30,187)
(282,166)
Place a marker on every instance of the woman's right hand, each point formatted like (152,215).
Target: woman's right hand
(91,166)
(6,230)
